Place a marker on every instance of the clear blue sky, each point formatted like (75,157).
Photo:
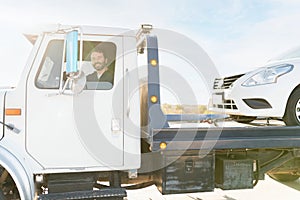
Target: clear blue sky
(237,34)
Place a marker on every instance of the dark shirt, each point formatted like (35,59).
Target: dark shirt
(107,76)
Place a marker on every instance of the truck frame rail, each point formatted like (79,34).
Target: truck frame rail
(227,138)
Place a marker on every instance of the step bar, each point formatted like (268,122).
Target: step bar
(106,193)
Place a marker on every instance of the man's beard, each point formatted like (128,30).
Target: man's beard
(99,66)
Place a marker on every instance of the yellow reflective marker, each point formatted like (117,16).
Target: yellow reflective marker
(153,62)
(163,145)
(154,99)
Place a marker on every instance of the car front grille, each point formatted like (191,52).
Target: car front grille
(227,104)
(225,83)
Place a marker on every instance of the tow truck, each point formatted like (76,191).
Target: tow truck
(63,137)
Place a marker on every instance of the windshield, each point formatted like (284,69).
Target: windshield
(293,53)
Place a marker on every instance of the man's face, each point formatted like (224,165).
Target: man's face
(98,60)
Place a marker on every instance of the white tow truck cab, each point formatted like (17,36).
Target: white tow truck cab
(81,116)
(56,126)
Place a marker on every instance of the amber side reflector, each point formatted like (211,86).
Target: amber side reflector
(154,99)
(13,111)
(153,62)
(163,146)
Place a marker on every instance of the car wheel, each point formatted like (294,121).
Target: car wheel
(242,119)
(292,112)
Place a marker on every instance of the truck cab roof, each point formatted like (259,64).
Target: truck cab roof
(33,33)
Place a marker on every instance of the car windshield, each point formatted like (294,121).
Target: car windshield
(293,53)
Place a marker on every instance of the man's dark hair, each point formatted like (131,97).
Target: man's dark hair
(99,50)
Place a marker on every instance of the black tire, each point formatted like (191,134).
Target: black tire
(2,197)
(292,112)
(284,177)
(242,119)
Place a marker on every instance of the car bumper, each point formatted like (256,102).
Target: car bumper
(261,101)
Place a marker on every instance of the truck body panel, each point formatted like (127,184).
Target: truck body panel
(64,120)
(20,173)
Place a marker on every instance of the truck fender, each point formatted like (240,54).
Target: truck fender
(18,173)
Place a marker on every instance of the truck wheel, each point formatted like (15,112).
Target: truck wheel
(242,119)
(292,112)
(2,197)
(8,190)
(284,177)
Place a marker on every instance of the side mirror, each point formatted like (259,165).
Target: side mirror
(76,78)
(72,52)
(78,83)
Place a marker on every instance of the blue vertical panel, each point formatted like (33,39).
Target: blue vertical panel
(156,117)
(72,52)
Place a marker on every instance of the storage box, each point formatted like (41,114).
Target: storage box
(187,173)
(234,173)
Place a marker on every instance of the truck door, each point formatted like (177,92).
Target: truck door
(65,130)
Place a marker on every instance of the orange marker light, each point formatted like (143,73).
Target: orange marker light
(13,111)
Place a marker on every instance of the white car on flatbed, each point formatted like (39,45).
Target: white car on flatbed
(269,91)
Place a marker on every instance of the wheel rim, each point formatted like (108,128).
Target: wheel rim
(297,110)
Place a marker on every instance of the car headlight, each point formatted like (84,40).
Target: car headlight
(268,75)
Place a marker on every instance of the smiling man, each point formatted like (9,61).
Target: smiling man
(99,62)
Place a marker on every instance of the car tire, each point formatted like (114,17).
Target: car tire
(242,119)
(292,112)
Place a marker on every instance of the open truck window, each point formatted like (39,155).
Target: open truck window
(50,71)
(99,64)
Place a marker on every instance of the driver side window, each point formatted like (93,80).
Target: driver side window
(48,76)
(98,64)
(50,70)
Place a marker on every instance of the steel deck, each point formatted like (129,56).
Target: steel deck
(227,138)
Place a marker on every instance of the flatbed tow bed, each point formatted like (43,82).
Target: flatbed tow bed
(228,137)
(234,157)
(195,159)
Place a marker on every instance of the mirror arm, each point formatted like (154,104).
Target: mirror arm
(65,86)
(62,91)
